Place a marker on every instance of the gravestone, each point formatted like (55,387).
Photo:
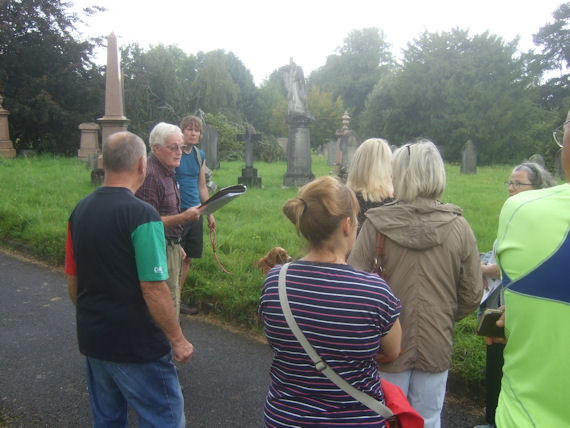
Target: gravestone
(349,142)
(537,158)
(332,147)
(89,140)
(209,143)
(7,149)
(249,173)
(348,145)
(469,158)
(299,120)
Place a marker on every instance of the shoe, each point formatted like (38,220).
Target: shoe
(188,310)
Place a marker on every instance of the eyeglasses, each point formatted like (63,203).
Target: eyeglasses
(175,147)
(558,134)
(516,184)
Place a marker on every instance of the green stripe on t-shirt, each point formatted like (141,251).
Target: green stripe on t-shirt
(150,251)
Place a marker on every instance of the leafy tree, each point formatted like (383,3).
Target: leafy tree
(214,87)
(157,86)
(272,104)
(352,73)
(47,78)
(453,88)
(554,41)
(328,116)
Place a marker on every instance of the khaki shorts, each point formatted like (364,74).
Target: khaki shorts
(174,262)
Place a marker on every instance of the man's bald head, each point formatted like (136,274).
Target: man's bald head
(121,152)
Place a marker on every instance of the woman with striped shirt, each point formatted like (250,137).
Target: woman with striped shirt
(349,316)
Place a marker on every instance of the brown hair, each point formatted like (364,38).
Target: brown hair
(195,121)
(319,208)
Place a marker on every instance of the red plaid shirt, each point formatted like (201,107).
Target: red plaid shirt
(160,189)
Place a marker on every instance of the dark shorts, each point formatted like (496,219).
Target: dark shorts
(193,238)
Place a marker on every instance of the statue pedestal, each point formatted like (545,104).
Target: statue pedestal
(249,177)
(299,160)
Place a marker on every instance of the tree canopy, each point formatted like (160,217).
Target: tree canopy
(47,79)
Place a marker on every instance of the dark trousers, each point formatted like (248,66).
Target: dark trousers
(493,376)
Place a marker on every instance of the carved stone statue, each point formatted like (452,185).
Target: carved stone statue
(295,84)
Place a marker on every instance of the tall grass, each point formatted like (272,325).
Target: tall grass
(38,195)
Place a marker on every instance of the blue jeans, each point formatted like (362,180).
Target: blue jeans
(151,389)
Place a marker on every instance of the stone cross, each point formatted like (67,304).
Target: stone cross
(249,173)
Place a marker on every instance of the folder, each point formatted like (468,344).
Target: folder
(222,197)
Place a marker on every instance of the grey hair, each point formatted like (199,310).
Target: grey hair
(538,176)
(418,171)
(161,132)
(122,151)
(371,170)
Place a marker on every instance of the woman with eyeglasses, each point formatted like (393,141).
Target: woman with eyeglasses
(431,262)
(526,176)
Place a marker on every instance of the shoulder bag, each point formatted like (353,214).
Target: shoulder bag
(403,414)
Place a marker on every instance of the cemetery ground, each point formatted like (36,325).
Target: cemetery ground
(39,194)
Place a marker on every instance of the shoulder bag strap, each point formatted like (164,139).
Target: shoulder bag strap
(320,364)
(198,156)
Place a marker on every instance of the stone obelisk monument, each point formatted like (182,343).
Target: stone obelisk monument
(114,119)
(6,146)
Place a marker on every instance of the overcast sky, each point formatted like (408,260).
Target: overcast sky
(264,34)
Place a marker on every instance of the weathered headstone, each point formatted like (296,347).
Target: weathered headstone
(114,119)
(331,153)
(209,143)
(299,120)
(348,145)
(89,142)
(6,146)
(537,158)
(249,173)
(469,158)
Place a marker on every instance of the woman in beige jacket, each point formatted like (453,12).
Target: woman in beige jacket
(431,262)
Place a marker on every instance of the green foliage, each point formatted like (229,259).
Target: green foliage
(554,41)
(47,80)
(328,116)
(453,88)
(156,86)
(229,146)
(352,73)
(272,97)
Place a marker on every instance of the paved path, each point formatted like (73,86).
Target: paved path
(42,374)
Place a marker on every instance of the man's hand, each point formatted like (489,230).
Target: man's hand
(192,214)
(182,351)
(500,323)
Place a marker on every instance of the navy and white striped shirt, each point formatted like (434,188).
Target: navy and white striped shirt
(344,313)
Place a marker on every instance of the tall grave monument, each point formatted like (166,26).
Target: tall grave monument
(299,119)
(114,119)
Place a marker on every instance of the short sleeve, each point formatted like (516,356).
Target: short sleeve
(150,251)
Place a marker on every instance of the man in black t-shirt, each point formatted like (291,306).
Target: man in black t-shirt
(116,271)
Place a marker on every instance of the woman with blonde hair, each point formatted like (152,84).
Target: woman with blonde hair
(432,264)
(349,317)
(370,175)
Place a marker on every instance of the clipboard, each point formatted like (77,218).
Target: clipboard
(222,197)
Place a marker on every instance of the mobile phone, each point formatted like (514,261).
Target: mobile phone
(487,326)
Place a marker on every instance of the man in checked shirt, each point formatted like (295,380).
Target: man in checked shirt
(160,190)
